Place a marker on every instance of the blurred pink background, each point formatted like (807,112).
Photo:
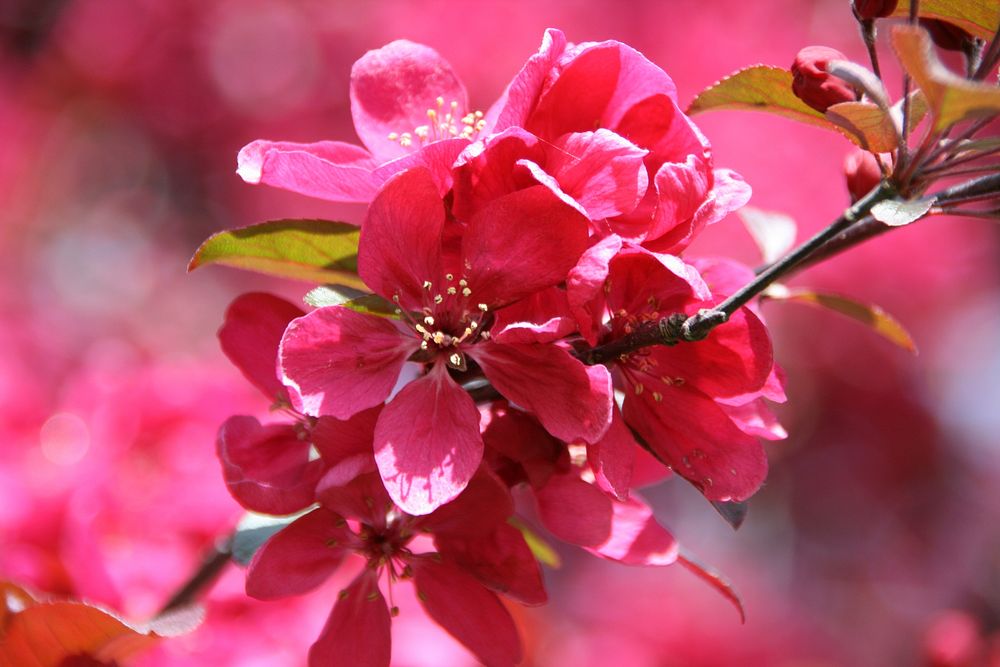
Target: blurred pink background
(119,126)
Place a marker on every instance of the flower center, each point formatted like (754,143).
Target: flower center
(442,123)
(641,362)
(449,319)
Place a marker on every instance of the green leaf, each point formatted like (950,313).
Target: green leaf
(897,213)
(357,300)
(867,125)
(873,316)
(773,232)
(949,97)
(317,251)
(977,17)
(540,549)
(253,530)
(758,88)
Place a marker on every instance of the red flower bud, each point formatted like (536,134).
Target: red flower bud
(947,36)
(862,173)
(813,85)
(874,9)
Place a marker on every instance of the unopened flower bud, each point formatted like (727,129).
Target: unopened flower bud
(874,9)
(811,82)
(947,36)
(861,172)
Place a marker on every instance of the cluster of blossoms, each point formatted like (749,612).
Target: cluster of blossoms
(504,247)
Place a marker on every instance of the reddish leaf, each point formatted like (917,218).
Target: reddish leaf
(47,634)
(978,17)
(715,580)
(866,124)
(950,97)
(880,321)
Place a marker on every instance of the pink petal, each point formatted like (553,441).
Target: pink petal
(484,504)
(756,419)
(513,436)
(472,614)
(392,89)
(657,123)
(723,276)
(400,244)
(648,470)
(673,237)
(577,100)
(638,80)
(774,388)
(490,170)
(636,538)
(329,170)
(735,359)
(544,178)
(613,456)
(508,245)
(338,362)
(267,468)
(572,401)
(681,188)
(357,632)
(543,317)
(521,94)
(250,336)
(437,157)
(729,193)
(651,120)
(574,511)
(363,498)
(300,557)
(500,560)
(636,276)
(346,445)
(717,205)
(601,170)
(585,286)
(548,331)
(699,440)
(427,442)
(596,88)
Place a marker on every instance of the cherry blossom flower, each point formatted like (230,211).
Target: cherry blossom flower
(590,100)
(696,406)
(451,282)
(572,508)
(267,468)
(410,110)
(477,553)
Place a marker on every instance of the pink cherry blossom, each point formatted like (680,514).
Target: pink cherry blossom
(695,405)
(572,96)
(574,510)
(451,281)
(455,584)
(410,110)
